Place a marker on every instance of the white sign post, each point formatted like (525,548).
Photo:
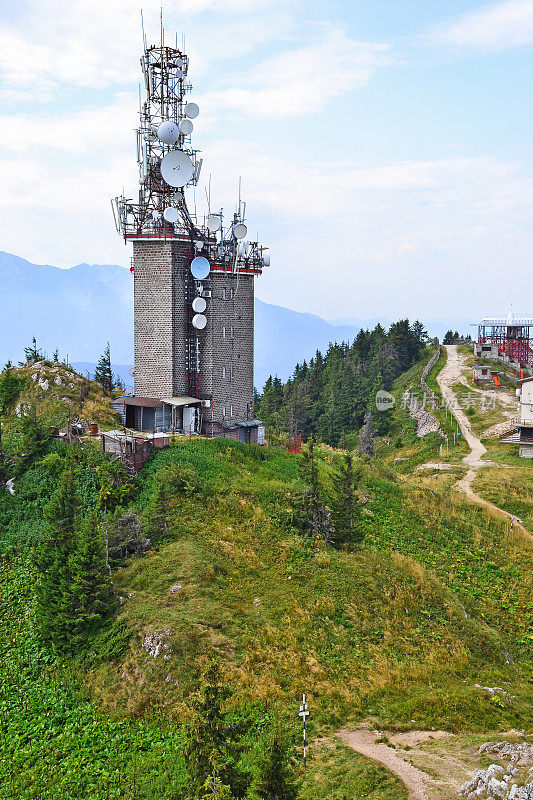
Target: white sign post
(304,713)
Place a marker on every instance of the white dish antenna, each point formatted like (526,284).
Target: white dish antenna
(179,63)
(178,74)
(199,305)
(213,223)
(168,132)
(171,214)
(200,268)
(199,321)
(131,372)
(240,230)
(177,168)
(191,110)
(186,126)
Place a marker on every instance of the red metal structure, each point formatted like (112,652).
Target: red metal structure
(294,444)
(512,337)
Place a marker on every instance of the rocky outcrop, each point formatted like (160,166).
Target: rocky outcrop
(513,782)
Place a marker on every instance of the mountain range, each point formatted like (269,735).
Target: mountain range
(78,310)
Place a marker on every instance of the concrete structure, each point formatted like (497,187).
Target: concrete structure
(522,433)
(193,279)
(133,450)
(482,374)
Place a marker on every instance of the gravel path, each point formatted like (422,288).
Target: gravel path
(363,741)
(450,374)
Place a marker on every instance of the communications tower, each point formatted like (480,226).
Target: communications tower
(193,278)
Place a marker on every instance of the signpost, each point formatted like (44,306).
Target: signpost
(304,713)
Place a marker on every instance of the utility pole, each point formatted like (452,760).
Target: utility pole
(303,713)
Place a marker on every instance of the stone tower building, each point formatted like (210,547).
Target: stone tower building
(193,283)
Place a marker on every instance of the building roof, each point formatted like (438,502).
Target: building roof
(180,401)
(511,323)
(145,402)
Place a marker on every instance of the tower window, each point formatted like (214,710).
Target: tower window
(231,332)
(223,372)
(224,331)
(223,411)
(231,371)
(224,293)
(231,294)
(231,411)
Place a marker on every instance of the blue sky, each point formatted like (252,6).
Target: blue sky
(384,148)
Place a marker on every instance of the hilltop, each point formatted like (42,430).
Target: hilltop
(407,631)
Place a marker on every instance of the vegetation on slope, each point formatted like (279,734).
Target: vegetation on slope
(405,627)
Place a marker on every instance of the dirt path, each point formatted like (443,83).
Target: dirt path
(447,377)
(363,741)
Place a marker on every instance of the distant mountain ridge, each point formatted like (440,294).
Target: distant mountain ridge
(78,310)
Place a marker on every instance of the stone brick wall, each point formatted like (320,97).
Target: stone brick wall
(163,289)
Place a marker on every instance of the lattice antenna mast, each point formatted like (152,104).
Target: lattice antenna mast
(165,128)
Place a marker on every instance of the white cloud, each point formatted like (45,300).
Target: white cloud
(494,27)
(96,43)
(302,80)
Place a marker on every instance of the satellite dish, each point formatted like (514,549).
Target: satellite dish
(186,126)
(179,63)
(199,322)
(191,110)
(199,305)
(168,132)
(240,230)
(213,223)
(200,268)
(178,74)
(266,259)
(177,168)
(171,214)
(132,372)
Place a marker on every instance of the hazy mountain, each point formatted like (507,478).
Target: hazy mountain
(78,310)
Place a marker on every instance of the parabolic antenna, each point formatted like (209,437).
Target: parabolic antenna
(199,321)
(240,230)
(191,110)
(199,305)
(213,223)
(171,214)
(186,126)
(200,268)
(131,372)
(179,63)
(178,74)
(177,168)
(168,132)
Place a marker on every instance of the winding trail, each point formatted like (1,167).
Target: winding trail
(447,377)
(363,741)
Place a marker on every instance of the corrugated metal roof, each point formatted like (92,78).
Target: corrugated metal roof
(180,401)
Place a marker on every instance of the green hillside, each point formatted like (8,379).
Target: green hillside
(404,629)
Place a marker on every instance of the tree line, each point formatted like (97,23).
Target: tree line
(333,395)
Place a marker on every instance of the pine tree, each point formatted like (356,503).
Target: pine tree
(275,780)
(103,373)
(53,560)
(312,514)
(73,589)
(33,353)
(344,503)
(55,357)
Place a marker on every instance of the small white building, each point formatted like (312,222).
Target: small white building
(525,417)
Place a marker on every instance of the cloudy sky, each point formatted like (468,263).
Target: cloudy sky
(385,148)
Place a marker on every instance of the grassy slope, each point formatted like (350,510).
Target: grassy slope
(399,631)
